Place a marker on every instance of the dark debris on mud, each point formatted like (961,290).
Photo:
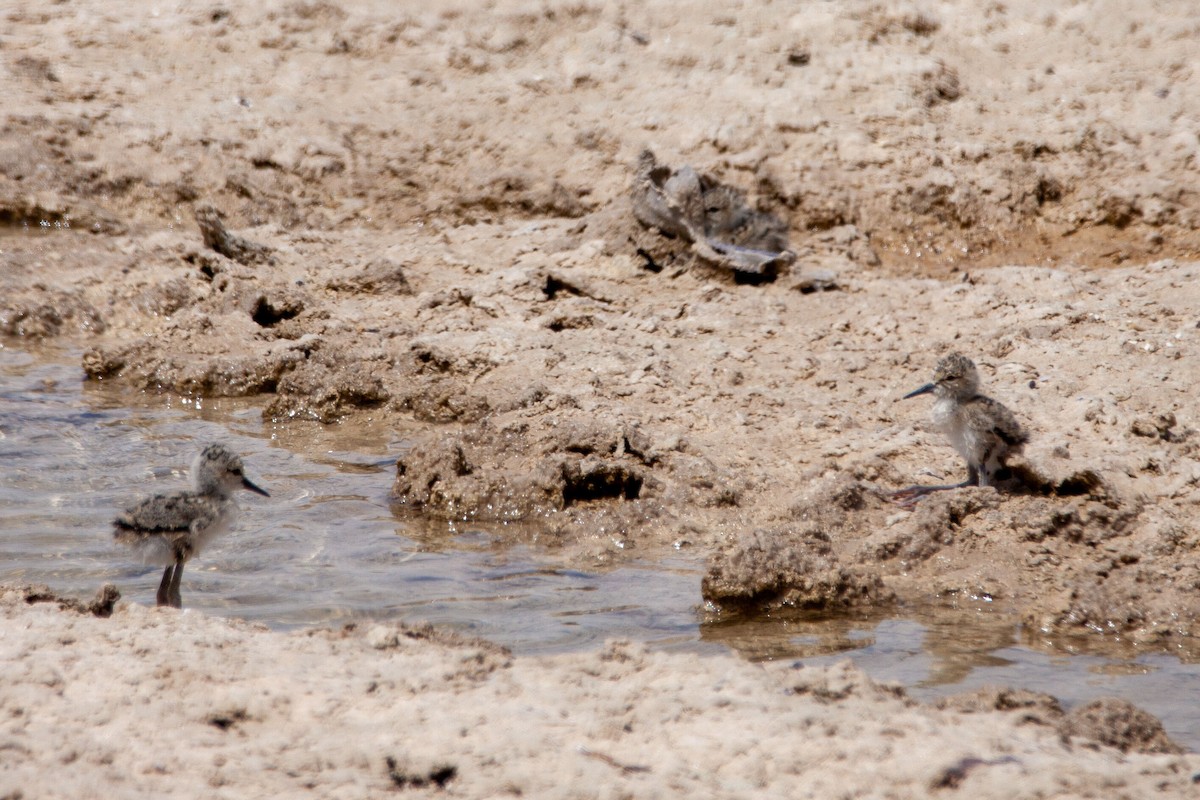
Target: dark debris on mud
(100,606)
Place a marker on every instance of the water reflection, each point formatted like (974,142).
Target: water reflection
(790,634)
(924,647)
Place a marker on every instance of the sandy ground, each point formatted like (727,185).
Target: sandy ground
(157,703)
(430,223)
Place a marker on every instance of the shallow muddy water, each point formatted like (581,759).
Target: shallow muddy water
(327,548)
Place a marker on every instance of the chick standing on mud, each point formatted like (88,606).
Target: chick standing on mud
(983,431)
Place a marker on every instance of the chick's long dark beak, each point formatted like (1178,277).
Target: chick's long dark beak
(247,484)
(926,389)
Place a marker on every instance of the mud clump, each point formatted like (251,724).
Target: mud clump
(439,383)
(1103,600)
(309,378)
(166,298)
(1103,560)
(1118,723)
(581,480)
(830,504)
(145,366)
(787,568)
(1106,721)
(1036,708)
(47,314)
(100,606)
(523,192)
(1160,426)
(485,654)
(380,276)
(442,401)
(842,682)
(268,310)
(324,388)
(937,523)
(469,476)
(596,478)
(25,213)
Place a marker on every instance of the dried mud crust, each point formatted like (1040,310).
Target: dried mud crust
(962,137)
(623,408)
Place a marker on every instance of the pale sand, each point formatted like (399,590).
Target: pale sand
(158,703)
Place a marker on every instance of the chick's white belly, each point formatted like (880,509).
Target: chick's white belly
(963,437)
(159,549)
(220,526)
(155,550)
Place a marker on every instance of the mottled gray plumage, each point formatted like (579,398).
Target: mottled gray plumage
(983,431)
(168,529)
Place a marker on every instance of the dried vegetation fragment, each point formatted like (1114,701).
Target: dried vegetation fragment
(405,777)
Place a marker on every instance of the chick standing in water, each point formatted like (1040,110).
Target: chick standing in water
(982,430)
(168,529)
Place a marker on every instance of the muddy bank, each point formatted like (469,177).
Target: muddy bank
(624,408)
(951,135)
(357,712)
(425,217)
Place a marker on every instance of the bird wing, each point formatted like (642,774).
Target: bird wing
(1004,424)
(164,515)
